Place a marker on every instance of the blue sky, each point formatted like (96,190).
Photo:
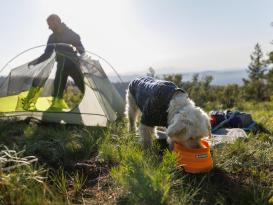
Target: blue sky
(181,35)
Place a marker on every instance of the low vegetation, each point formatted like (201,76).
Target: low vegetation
(64,164)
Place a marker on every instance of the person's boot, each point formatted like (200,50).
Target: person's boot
(58,104)
(28,103)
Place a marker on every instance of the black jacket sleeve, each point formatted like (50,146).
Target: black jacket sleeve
(48,51)
(78,44)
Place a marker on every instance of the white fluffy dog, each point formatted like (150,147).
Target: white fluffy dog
(185,123)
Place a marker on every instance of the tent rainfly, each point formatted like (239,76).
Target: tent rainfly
(98,105)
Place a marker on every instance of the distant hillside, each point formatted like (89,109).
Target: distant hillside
(219,77)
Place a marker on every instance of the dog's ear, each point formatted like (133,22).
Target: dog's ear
(177,126)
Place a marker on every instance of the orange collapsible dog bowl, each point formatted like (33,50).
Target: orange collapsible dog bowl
(195,160)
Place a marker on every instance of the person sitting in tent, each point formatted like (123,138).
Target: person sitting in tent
(66,44)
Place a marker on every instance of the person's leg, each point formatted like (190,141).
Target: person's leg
(60,79)
(28,102)
(34,92)
(77,75)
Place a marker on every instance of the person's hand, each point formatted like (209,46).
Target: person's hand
(73,48)
(32,63)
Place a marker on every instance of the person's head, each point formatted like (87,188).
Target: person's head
(54,22)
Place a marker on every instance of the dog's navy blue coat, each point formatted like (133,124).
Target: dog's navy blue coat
(153,97)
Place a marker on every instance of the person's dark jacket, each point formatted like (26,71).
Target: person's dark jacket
(153,97)
(67,36)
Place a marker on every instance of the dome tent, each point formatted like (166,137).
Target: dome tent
(99,104)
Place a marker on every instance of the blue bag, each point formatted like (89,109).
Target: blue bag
(232,119)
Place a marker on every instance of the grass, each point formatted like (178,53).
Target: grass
(57,145)
(22,180)
(147,182)
(62,164)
